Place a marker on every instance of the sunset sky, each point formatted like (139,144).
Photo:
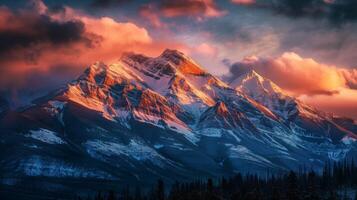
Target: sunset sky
(307,47)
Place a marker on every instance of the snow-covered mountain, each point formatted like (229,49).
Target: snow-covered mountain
(289,109)
(144,118)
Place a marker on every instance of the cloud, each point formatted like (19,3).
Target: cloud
(197,8)
(107,3)
(343,104)
(28,30)
(154,12)
(206,50)
(59,44)
(298,75)
(351,78)
(336,11)
(244,2)
(150,12)
(311,8)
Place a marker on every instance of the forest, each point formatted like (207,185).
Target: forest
(337,181)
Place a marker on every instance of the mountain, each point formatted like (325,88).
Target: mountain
(297,115)
(144,118)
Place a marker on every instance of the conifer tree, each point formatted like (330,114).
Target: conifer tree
(292,192)
(160,190)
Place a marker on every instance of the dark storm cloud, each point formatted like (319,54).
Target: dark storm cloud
(344,10)
(45,31)
(31,29)
(336,11)
(293,8)
(198,6)
(108,3)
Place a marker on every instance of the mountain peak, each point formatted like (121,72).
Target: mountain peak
(172,54)
(94,72)
(140,58)
(182,62)
(253,73)
(251,81)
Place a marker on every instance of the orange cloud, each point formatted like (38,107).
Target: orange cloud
(59,45)
(300,75)
(243,2)
(199,9)
(351,77)
(206,8)
(343,104)
(328,88)
(206,49)
(150,12)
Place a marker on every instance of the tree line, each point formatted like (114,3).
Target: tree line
(337,181)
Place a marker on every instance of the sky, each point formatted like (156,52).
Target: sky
(307,47)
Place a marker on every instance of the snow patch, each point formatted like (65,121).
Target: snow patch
(40,166)
(242,152)
(348,140)
(158,146)
(57,104)
(138,151)
(337,154)
(211,132)
(45,136)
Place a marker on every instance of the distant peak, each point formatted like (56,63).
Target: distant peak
(253,82)
(251,73)
(254,74)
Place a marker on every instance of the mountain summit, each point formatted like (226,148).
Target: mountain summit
(141,118)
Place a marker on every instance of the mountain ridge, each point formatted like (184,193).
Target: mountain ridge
(142,118)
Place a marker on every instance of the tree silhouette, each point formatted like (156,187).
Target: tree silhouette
(160,190)
(292,192)
(310,185)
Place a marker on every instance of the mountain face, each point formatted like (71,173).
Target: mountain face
(144,118)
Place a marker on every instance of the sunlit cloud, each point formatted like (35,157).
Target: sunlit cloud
(301,76)
(341,104)
(244,2)
(205,8)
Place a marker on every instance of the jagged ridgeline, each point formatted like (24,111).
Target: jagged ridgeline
(142,118)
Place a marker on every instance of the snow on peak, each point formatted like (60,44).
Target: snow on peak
(271,96)
(252,82)
(265,92)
